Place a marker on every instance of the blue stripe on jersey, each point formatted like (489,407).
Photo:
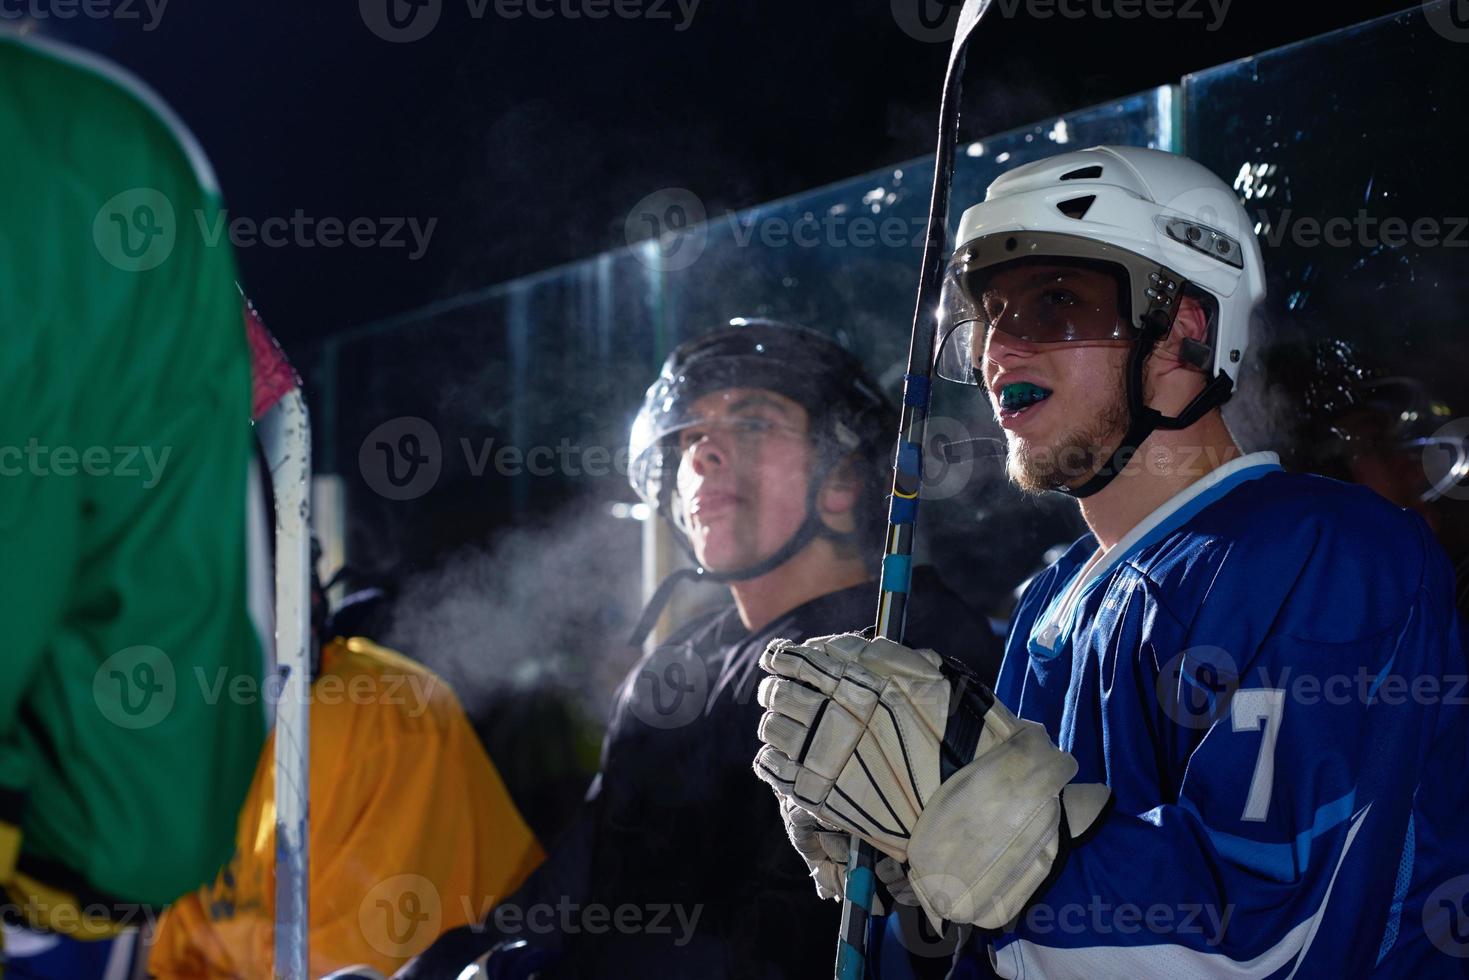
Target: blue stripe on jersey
(1400,891)
(1280,862)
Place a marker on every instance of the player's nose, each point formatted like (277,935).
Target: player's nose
(1005,350)
(707,455)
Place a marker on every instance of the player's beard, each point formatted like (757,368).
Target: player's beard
(1072,458)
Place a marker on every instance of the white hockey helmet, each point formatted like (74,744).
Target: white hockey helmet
(1162,225)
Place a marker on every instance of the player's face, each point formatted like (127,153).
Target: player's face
(743,474)
(1063,405)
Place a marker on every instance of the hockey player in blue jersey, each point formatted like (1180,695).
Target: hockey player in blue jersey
(1230,735)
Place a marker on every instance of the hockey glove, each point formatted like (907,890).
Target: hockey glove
(825,851)
(913,754)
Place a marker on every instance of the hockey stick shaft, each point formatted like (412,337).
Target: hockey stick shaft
(897,561)
(285,436)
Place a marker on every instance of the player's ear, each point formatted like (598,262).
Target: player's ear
(838,498)
(1192,323)
(1190,328)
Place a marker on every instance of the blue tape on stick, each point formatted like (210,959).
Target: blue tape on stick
(850,964)
(916,389)
(910,460)
(904,510)
(897,573)
(860,887)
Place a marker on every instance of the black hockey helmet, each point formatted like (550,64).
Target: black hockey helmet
(847,411)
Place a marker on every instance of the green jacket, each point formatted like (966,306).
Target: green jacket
(124,445)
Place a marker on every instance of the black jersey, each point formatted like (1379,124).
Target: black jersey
(679,863)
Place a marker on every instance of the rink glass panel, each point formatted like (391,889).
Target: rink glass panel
(560,361)
(1320,130)
(1341,146)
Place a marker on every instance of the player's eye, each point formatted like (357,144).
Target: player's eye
(688,437)
(1058,297)
(751,425)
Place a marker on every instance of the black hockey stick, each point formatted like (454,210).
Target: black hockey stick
(897,562)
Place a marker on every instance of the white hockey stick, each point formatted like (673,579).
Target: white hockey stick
(284,431)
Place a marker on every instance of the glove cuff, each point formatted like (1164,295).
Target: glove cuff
(1085,805)
(995,836)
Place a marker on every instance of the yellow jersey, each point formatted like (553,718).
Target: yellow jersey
(411,831)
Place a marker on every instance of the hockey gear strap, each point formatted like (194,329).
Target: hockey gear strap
(1144,420)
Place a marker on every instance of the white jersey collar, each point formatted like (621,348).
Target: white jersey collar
(1054,623)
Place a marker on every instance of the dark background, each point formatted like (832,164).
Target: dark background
(530,140)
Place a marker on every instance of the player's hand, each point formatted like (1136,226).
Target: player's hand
(825,851)
(913,754)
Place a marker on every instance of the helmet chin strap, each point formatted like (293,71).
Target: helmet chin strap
(811,528)
(1142,420)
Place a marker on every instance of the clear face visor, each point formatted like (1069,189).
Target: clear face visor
(738,420)
(1043,288)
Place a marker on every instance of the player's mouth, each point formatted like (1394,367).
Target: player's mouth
(1018,400)
(707,504)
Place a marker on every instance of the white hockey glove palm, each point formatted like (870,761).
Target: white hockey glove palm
(913,754)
